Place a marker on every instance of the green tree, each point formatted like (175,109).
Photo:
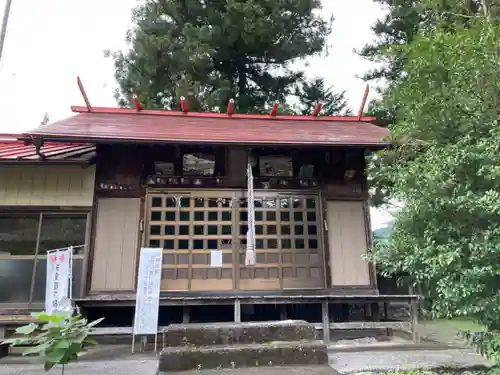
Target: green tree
(404,21)
(217,50)
(309,93)
(445,168)
(399,26)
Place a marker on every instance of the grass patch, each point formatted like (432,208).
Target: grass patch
(438,372)
(448,331)
(456,325)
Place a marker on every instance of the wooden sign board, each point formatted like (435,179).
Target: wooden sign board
(355,191)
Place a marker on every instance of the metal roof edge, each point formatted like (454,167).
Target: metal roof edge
(101,140)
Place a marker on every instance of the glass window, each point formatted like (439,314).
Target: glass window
(18,237)
(15,279)
(61,231)
(18,233)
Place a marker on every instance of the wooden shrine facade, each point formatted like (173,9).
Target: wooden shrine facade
(190,209)
(311,213)
(121,179)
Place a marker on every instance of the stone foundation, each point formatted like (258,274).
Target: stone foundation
(248,355)
(236,345)
(236,333)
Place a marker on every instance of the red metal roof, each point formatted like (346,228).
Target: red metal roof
(12,149)
(123,124)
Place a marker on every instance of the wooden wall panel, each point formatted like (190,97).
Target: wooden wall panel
(47,185)
(116,244)
(236,166)
(347,242)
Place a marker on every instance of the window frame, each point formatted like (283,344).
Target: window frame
(36,256)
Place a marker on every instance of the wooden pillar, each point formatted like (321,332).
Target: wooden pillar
(237,311)
(326,322)
(185,315)
(344,311)
(367,310)
(283,315)
(390,331)
(375,312)
(414,321)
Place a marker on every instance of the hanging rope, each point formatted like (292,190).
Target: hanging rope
(250,258)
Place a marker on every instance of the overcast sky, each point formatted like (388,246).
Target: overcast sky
(50,42)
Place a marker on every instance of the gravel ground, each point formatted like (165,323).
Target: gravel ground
(405,360)
(114,367)
(145,364)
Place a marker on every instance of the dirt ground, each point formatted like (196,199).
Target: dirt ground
(118,360)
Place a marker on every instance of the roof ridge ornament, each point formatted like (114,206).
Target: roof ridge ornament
(273,115)
(274,111)
(230,107)
(184,106)
(137,103)
(363,102)
(84,94)
(317,109)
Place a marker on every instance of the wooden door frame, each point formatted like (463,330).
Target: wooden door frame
(236,196)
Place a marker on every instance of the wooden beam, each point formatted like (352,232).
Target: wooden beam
(405,326)
(238,116)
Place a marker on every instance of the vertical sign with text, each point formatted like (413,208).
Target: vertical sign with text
(58,279)
(147,301)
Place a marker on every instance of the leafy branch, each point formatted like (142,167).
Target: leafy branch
(57,339)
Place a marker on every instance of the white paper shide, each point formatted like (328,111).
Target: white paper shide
(148,292)
(58,279)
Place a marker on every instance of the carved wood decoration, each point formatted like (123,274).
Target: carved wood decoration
(118,170)
(130,170)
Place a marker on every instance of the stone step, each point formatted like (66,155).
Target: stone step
(242,355)
(208,334)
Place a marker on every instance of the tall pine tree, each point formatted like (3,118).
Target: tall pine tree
(309,93)
(402,24)
(211,51)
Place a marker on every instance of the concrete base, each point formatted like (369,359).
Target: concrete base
(237,356)
(237,333)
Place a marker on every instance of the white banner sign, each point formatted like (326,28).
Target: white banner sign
(147,301)
(58,279)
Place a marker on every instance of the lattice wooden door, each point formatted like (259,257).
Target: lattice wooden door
(188,226)
(288,243)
